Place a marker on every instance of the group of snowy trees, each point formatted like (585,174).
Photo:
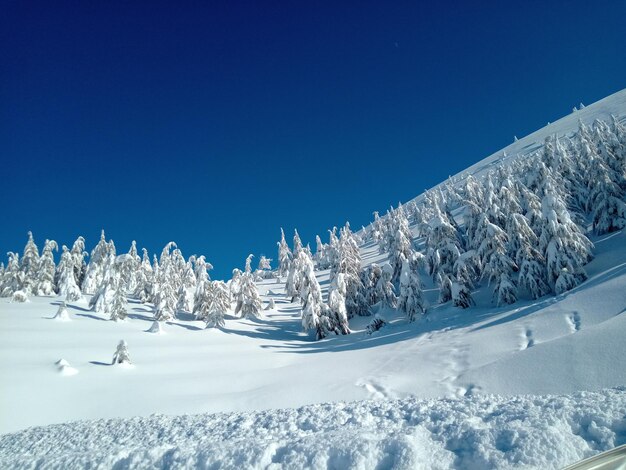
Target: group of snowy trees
(522,228)
(171,283)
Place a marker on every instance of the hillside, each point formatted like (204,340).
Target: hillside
(443,368)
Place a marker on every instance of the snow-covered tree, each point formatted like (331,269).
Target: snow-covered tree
(78,257)
(349,264)
(337,302)
(249,302)
(45,276)
(202,279)
(498,267)
(67,284)
(218,305)
(165,298)
(284,255)
(264,268)
(292,286)
(118,297)
(12,276)
(183,302)
(97,265)
(606,201)
(30,266)
(461,295)
(102,300)
(62,313)
(561,241)
(400,245)
(410,301)
(143,289)
(121,355)
(385,292)
(235,288)
(297,244)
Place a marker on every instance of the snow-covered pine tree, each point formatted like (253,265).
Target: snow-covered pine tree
(332,250)
(350,265)
(264,268)
(78,257)
(284,255)
(62,313)
(606,199)
(12,277)
(401,244)
(67,284)
(410,301)
(165,301)
(96,267)
(118,295)
(337,303)
(292,286)
(385,292)
(248,300)
(201,276)
(320,255)
(132,267)
(102,300)
(219,304)
(316,315)
(45,276)
(121,355)
(461,295)
(370,276)
(561,241)
(297,244)
(235,289)
(183,303)
(30,266)
(144,279)
(498,267)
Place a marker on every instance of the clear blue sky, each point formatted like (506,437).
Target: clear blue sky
(213,124)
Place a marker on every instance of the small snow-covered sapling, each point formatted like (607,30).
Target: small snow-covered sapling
(121,355)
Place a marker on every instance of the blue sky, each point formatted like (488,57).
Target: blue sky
(214,125)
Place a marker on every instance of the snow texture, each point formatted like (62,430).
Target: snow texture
(482,432)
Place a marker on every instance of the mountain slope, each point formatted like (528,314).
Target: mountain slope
(557,345)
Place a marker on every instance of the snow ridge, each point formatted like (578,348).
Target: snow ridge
(481,432)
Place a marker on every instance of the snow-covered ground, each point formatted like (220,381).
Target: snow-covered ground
(483,432)
(554,345)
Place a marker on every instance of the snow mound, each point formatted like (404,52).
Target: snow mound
(65,368)
(478,432)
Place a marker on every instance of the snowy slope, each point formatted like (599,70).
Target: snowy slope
(612,105)
(555,345)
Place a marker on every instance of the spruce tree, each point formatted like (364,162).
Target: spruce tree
(67,284)
(45,277)
(410,301)
(30,266)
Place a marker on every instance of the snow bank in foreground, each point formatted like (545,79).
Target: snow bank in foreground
(477,432)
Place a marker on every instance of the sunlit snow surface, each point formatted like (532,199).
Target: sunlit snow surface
(433,381)
(483,432)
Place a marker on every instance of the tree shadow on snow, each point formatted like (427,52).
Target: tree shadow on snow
(187,327)
(98,363)
(93,317)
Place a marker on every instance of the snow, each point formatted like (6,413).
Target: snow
(484,432)
(446,388)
